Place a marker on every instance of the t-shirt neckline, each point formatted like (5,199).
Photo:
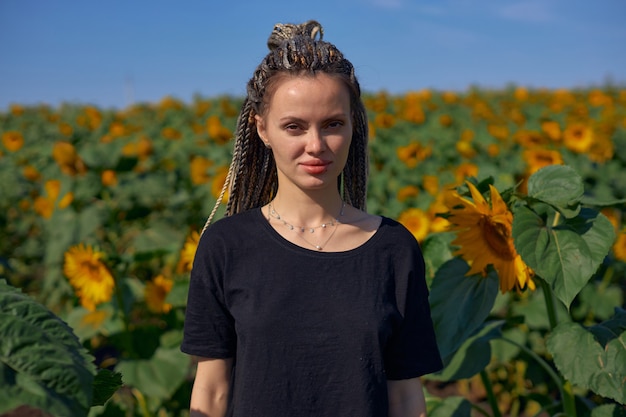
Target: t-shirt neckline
(303,250)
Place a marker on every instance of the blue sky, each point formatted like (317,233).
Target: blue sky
(114,53)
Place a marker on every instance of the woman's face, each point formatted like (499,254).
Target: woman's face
(308,126)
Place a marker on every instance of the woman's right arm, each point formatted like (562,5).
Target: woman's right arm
(209,397)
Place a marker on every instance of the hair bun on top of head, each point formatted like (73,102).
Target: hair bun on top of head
(286,31)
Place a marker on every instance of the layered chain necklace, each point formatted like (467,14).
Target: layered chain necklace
(303,230)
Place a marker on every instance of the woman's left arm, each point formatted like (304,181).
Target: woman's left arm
(406,398)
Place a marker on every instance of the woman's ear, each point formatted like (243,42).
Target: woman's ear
(260,129)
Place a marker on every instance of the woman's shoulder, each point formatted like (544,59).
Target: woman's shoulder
(395,229)
(232,227)
(243,219)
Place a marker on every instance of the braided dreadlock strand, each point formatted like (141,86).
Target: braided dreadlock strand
(295,50)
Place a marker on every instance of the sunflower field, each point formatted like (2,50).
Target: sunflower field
(517,197)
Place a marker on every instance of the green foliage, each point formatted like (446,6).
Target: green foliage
(459,304)
(450,407)
(136,182)
(105,384)
(564,253)
(588,363)
(559,186)
(42,363)
(160,376)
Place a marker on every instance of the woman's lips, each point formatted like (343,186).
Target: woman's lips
(315,167)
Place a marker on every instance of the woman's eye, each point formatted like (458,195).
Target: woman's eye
(335,124)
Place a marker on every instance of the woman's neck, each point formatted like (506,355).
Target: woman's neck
(307,209)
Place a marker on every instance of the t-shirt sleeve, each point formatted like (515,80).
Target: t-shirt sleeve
(209,327)
(412,348)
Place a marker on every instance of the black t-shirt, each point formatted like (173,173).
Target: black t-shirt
(312,333)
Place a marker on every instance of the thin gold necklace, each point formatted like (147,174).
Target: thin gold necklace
(273,214)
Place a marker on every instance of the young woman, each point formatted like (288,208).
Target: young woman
(300,302)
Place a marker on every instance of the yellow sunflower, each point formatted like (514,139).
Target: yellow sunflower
(155,293)
(171,134)
(484,237)
(218,182)
(551,129)
(45,205)
(430,183)
(90,277)
(67,158)
(188,252)
(218,132)
(416,221)
(578,137)
(413,153)
(619,247)
(406,192)
(198,169)
(108,178)
(539,158)
(12,140)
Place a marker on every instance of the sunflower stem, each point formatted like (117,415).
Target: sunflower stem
(557,217)
(490,395)
(565,387)
(549,299)
(126,335)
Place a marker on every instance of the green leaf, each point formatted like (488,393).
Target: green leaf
(177,297)
(158,238)
(459,304)
(559,186)
(436,251)
(566,255)
(42,361)
(104,386)
(504,351)
(586,363)
(599,301)
(473,356)
(101,155)
(534,311)
(87,324)
(452,406)
(590,201)
(91,219)
(608,330)
(608,410)
(158,377)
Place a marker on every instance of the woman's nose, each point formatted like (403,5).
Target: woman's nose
(315,141)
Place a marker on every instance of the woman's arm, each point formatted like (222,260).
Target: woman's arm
(209,397)
(406,398)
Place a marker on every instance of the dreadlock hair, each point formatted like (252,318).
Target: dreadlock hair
(294,50)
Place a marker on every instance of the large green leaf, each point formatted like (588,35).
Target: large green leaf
(566,255)
(473,356)
(559,186)
(43,363)
(459,304)
(586,363)
(158,377)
